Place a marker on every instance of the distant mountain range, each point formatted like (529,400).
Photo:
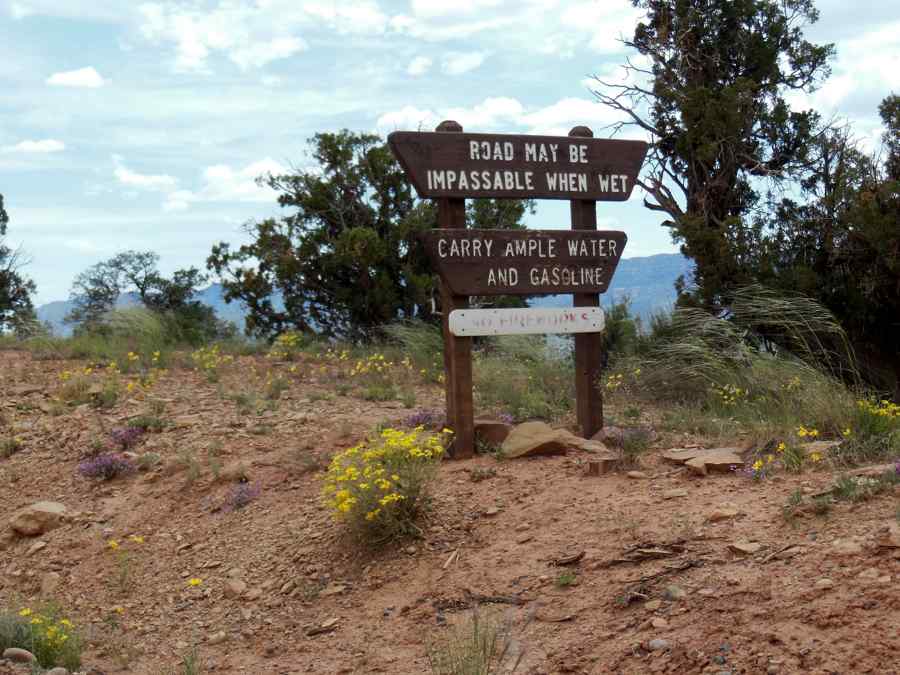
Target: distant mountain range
(648,282)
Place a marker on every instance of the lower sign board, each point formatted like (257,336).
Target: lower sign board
(524,262)
(528,321)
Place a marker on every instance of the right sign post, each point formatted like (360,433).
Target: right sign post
(449,166)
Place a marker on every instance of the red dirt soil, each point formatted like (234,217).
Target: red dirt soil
(728,613)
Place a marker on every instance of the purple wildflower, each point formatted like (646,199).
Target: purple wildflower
(506,418)
(125,438)
(241,495)
(106,466)
(429,419)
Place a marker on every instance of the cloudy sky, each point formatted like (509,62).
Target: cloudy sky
(129,124)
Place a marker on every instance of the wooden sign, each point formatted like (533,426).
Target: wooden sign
(526,321)
(442,164)
(524,262)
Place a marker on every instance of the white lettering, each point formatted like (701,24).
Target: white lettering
(509,180)
(530,152)
(473,150)
(508,151)
(528,182)
(604,182)
(442,248)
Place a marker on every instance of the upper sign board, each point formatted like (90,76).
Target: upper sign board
(524,262)
(461,165)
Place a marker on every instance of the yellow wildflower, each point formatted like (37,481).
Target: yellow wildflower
(194,581)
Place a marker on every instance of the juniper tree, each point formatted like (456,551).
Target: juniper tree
(346,258)
(709,88)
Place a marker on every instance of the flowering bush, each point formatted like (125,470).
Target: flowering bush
(47,634)
(875,417)
(378,487)
(241,495)
(209,360)
(429,419)
(107,466)
(125,438)
(287,346)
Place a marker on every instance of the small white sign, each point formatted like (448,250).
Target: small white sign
(526,321)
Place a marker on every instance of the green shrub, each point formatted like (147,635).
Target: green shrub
(45,632)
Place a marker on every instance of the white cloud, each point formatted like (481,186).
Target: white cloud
(505,114)
(222,183)
(250,33)
(459,63)
(45,146)
(149,182)
(419,66)
(271,81)
(83,77)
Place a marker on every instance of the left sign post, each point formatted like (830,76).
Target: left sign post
(457,350)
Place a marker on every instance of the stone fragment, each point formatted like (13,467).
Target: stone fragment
(744,547)
(50,583)
(38,518)
(653,605)
(888,536)
(17,655)
(636,475)
(658,645)
(702,461)
(675,494)
(234,588)
(492,432)
(723,512)
(618,437)
(824,584)
(217,638)
(845,547)
(659,622)
(59,670)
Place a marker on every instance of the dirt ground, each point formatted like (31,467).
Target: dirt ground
(659,588)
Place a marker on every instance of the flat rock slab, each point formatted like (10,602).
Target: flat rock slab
(702,462)
(889,536)
(536,438)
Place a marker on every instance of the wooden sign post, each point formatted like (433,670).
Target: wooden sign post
(449,166)
(457,350)
(588,395)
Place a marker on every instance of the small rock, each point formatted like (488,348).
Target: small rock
(674,494)
(59,670)
(745,547)
(49,583)
(492,432)
(889,536)
(871,573)
(636,475)
(38,518)
(35,547)
(253,594)
(824,584)
(658,645)
(706,592)
(674,593)
(234,588)
(491,511)
(524,539)
(217,638)
(653,605)
(410,550)
(17,655)
(722,512)
(659,622)
(845,547)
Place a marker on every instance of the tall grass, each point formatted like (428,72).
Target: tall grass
(481,646)
(524,376)
(772,363)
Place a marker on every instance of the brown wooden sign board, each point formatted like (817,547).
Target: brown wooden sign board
(524,262)
(447,164)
